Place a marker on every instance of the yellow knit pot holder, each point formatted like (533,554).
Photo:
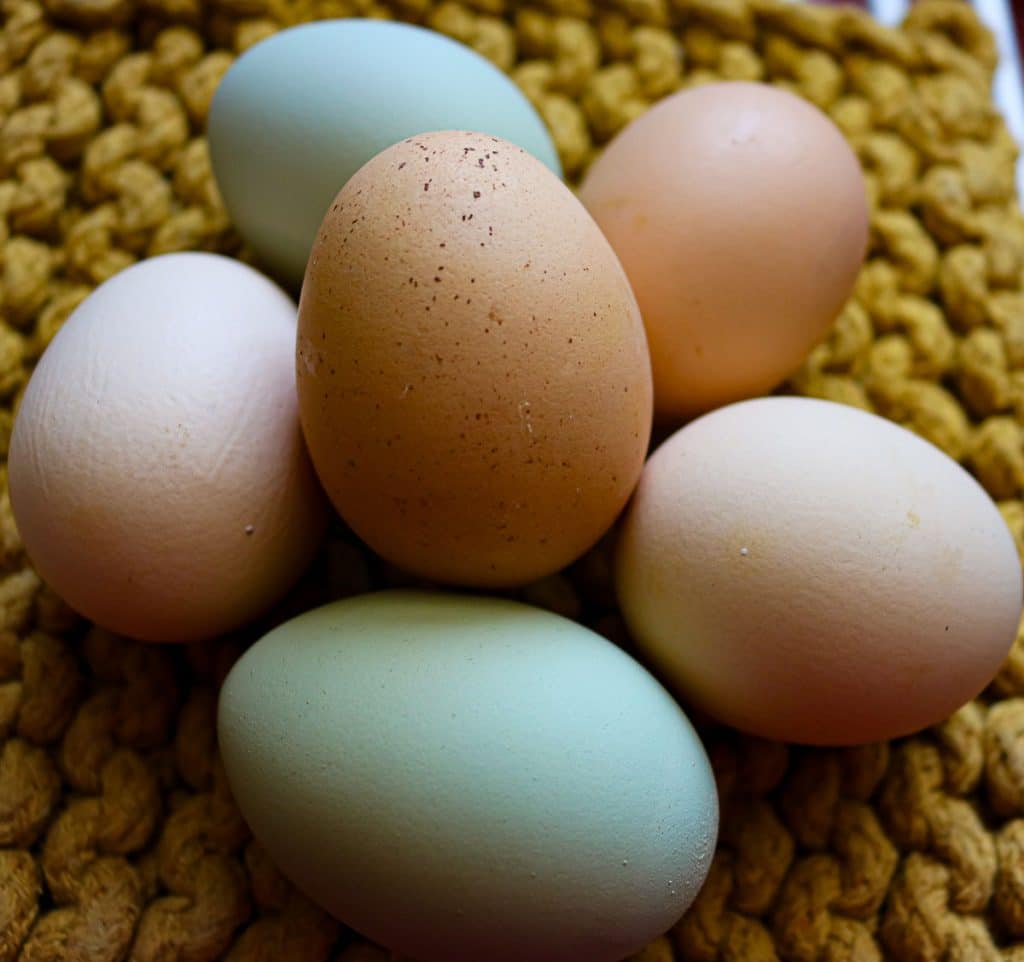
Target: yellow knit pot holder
(118,836)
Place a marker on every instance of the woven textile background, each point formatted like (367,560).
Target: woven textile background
(118,836)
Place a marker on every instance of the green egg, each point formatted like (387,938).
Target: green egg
(300,112)
(464,778)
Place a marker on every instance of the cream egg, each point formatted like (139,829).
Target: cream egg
(810,572)
(158,474)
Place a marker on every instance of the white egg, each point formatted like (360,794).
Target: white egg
(157,469)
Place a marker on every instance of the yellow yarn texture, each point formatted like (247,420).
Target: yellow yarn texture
(118,836)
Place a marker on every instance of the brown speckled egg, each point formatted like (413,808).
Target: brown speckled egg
(474,380)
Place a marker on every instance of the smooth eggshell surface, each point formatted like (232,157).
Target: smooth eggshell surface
(157,469)
(300,112)
(740,215)
(809,572)
(463,778)
(474,382)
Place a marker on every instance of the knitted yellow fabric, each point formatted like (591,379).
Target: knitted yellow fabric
(118,837)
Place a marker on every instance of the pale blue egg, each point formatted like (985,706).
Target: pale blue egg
(463,778)
(303,110)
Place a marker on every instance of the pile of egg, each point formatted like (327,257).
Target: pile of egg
(471,379)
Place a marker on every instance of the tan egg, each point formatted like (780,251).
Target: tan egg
(157,470)
(740,215)
(474,381)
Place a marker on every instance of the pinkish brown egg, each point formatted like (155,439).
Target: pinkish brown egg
(740,215)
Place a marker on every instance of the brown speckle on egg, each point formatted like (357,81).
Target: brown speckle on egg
(475,423)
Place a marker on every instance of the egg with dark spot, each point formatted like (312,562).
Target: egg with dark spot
(495,393)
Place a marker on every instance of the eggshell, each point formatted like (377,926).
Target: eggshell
(474,381)
(465,778)
(157,470)
(740,215)
(810,572)
(300,112)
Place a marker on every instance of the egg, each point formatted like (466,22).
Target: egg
(298,113)
(463,778)
(740,214)
(811,572)
(474,381)
(157,470)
